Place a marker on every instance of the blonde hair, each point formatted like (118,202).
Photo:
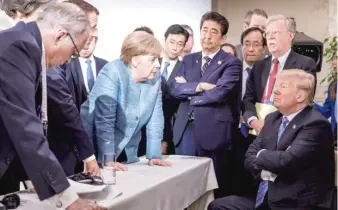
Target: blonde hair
(304,81)
(139,43)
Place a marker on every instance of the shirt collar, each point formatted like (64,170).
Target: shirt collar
(246,65)
(293,115)
(211,56)
(282,59)
(164,60)
(91,58)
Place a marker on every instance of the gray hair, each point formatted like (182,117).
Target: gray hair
(290,23)
(25,7)
(66,15)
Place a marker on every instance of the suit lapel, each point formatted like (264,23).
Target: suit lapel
(290,131)
(290,61)
(196,68)
(174,72)
(265,74)
(77,73)
(272,140)
(216,61)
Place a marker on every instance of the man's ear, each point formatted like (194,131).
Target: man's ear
(60,35)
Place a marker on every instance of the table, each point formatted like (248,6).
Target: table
(188,183)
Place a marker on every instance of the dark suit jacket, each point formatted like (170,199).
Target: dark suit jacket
(75,79)
(260,73)
(66,135)
(305,171)
(216,111)
(20,129)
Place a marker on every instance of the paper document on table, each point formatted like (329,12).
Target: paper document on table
(262,111)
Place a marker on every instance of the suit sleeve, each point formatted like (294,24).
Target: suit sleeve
(17,98)
(155,129)
(250,96)
(65,112)
(312,141)
(224,86)
(311,67)
(183,90)
(105,105)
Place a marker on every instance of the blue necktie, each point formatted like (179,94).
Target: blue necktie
(90,75)
(206,64)
(165,70)
(263,186)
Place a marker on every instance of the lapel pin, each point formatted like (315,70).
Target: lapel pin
(219,62)
(294,127)
(196,61)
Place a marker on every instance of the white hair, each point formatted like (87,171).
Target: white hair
(289,22)
(67,16)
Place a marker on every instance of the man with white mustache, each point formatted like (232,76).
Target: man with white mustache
(280,32)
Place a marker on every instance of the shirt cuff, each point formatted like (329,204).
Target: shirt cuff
(259,152)
(91,158)
(29,184)
(64,199)
(251,119)
(198,88)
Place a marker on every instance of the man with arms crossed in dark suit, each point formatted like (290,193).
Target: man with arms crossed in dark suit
(280,32)
(26,51)
(209,85)
(294,152)
(81,72)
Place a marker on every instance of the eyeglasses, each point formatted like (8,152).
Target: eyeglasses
(77,52)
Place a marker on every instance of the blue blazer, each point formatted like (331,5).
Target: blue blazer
(327,109)
(216,111)
(118,108)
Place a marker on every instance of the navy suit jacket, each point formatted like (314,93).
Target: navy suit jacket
(303,160)
(66,135)
(75,79)
(21,130)
(216,111)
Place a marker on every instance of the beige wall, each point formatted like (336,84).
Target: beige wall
(316,18)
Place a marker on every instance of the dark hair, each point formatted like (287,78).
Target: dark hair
(249,30)
(250,13)
(177,30)
(231,46)
(333,91)
(218,18)
(145,29)
(85,6)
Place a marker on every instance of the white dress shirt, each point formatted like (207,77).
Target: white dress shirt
(84,67)
(170,68)
(281,63)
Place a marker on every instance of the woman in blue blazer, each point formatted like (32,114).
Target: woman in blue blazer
(329,107)
(127,96)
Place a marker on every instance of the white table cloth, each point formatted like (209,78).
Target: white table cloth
(188,183)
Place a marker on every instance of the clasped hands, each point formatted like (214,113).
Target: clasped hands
(203,86)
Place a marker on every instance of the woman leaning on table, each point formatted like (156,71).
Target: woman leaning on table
(127,96)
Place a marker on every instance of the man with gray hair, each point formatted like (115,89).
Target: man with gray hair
(280,32)
(26,51)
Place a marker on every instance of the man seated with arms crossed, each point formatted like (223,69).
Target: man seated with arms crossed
(293,153)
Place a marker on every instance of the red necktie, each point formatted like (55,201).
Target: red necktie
(269,86)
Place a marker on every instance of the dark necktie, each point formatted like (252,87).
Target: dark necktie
(263,186)
(206,64)
(90,75)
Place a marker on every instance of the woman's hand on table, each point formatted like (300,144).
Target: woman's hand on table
(118,166)
(158,162)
